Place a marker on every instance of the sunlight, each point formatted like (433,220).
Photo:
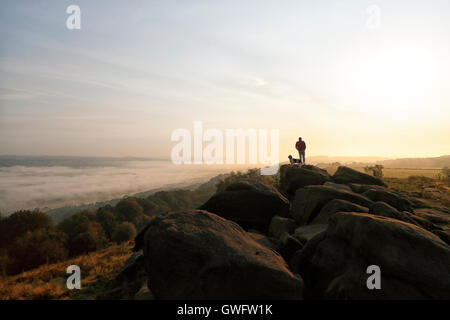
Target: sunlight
(395,80)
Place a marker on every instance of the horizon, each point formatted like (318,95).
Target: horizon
(132,75)
(131,157)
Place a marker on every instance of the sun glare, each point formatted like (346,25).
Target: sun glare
(395,80)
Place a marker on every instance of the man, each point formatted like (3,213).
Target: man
(301,147)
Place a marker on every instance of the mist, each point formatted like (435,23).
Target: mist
(49,187)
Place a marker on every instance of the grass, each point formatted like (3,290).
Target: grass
(406,173)
(49,281)
(399,172)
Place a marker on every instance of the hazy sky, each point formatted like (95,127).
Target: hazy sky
(138,70)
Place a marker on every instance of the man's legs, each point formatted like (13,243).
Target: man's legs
(302,157)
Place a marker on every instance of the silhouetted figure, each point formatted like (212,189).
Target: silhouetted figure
(300,145)
(293,161)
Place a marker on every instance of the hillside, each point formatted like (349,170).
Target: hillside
(49,280)
(282,218)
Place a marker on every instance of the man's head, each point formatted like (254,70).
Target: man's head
(299,138)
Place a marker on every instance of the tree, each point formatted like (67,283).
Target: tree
(36,248)
(129,210)
(87,237)
(376,170)
(69,224)
(19,223)
(125,231)
(107,218)
(445,173)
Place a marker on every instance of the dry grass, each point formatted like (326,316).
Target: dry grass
(406,173)
(399,173)
(49,281)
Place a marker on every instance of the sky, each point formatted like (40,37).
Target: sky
(353,78)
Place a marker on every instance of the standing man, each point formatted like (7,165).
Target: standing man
(300,145)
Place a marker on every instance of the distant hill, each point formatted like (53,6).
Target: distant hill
(342,159)
(421,163)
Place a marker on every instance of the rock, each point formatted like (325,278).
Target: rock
(348,175)
(127,284)
(390,198)
(339,186)
(309,201)
(337,205)
(385,210)
(199,255)
(293,178)
(288,246)
(144,293)
(306,233)
(271,243)
(444,235)
(279,226)
(361,188)
(414,263)
(249,203)
(433,215)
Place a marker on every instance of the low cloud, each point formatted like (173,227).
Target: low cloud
(24,187)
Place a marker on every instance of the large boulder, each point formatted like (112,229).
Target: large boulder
(271,243)
(280,225)
(337,205)
(361,188)
(433,215)
(250,203)
(414,263)
(390,197)
(383,209)
(348,175)
(309,201)
(293,178)
(199,255)
(305,233)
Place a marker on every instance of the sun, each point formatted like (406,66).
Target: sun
(394,80)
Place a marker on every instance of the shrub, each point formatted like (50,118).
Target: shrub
(272,180)
(36,248)
(69,224)
(376,170)
(125,231)
(129,210)
(19,223)
(86,237)
(107,218)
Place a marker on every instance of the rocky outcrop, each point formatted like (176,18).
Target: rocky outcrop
(249,203)
(414,263)
(337,205)
(293,178)
(335,231)
(309,201)
(199,255)
(348,175)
